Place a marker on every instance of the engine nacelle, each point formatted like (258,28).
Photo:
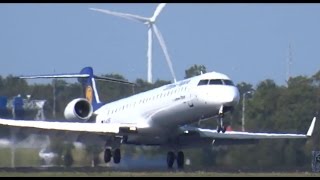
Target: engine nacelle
(78,109)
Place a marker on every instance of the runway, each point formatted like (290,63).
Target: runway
(89,169)
(111,172)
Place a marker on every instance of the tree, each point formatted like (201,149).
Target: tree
(111,91)
(195,70)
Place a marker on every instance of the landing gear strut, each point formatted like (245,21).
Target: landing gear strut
(220,126)
(171,157)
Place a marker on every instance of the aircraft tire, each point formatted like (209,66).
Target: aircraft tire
(107,155)
(170,159)
(180,160)
(223,129)
(116,156)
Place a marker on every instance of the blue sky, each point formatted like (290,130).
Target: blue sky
(248,42)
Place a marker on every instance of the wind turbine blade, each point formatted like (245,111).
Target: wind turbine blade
(164,49)
(157,11)
(123,15)
(149,54)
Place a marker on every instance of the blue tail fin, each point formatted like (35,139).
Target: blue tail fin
(89,86)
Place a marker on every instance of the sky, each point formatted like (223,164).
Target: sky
(248,42)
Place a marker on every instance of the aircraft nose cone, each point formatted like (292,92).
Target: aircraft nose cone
(232,97)
(236,97)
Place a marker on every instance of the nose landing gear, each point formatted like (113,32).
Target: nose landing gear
(220,126)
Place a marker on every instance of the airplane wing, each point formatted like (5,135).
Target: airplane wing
(240,135)
(107,128)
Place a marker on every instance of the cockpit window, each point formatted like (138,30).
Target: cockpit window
(215,81)
(228,82)
(203,82)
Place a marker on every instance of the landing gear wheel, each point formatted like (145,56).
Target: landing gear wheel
(170,159)
(107,155)
(180,160)
(116,156)
(218,129)
(223,129)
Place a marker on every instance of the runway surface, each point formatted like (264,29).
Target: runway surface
(149,169)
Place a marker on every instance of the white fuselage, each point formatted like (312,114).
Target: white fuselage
(160,111)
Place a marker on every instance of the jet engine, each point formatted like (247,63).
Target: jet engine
(78,109)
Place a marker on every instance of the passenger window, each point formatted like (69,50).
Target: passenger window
(203,82)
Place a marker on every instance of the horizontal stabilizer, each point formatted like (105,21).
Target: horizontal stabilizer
(76,75)
(73,75)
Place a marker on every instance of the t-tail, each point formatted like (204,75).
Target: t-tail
(89,86)
(87,80)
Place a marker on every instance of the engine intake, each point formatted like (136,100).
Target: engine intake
(78,109)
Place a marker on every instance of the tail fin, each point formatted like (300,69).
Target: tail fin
(89,86)
(87,80)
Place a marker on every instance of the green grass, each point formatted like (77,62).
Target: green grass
(23,157)
(30,157)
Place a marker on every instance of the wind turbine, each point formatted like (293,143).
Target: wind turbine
(152,28)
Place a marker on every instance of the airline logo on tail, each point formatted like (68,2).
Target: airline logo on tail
(89,94)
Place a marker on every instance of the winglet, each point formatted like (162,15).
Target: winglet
(311,128)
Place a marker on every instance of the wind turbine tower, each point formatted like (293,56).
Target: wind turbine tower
(152,28)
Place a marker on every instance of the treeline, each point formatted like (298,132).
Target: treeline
(268,108)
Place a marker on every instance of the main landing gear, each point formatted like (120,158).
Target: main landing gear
(112,149)
(115,153)
(179,157)
(220,126)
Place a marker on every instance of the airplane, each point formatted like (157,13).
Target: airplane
(158,117)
